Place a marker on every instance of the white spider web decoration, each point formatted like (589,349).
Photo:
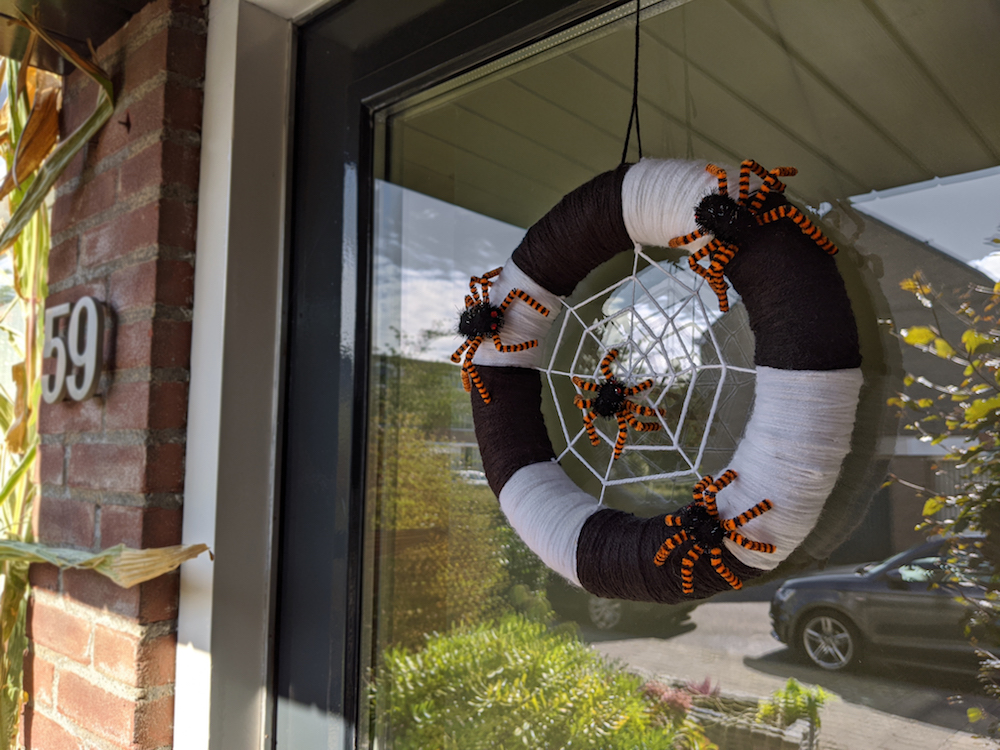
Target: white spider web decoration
(665,323)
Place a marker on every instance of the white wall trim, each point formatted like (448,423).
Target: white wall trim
(223,653)
(294,10)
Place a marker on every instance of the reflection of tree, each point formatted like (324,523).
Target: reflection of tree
(445,553)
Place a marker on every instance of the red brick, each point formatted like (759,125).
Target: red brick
(100,466)
(96,710)
(177,224)
(70,416)
(133,345)
(171,105)
(121,524)
(93,197)
(142,405)
(165,468)
(140,527)
(168,406)
(134,286)
(94,590)
(158,601)
(175,283)
(64,521)
(44,576)
(38,675)
(172,343)
(116,655)
(62,260)
(79,105)
(59,630)
(126,659)
(120,236)
(152,601)
(127,406)
(41,733)
(172,49)
(95,290)
(51,462)
(155,722)
(163,163)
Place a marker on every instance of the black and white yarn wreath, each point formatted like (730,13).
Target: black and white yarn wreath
(742,523)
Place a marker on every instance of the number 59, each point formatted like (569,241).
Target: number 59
(78,351)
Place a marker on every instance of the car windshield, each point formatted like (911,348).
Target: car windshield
(900,558)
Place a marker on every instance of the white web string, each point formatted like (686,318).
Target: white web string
(662,319)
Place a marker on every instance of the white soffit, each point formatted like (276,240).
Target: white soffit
(294,10)
(958,215)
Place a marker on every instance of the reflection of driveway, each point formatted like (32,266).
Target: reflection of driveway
(884,708)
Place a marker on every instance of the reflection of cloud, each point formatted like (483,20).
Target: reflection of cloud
(426,250)
(990,265)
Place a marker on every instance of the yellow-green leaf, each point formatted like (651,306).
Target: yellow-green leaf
(943,349)
(932,506)
(918,335)
(908,381)
(974,714)
(925,403)
(980,408)
(973,339)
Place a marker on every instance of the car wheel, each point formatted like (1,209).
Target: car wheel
(830,640)
(605,614)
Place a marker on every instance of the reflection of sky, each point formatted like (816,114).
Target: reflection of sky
(426,250)
(675,325)
(958,215)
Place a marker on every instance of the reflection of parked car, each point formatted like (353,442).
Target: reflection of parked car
(470,476)
(611,614)
(901,609)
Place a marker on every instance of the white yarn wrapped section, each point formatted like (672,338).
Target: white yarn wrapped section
(791,454)
(521,322)
(547,510)
(659,197)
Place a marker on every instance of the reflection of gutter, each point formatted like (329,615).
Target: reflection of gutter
(905,445)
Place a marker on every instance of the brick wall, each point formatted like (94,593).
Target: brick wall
(101,666)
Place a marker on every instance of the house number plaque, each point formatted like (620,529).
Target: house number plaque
(77,348)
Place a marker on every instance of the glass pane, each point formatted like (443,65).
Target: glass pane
(887,110)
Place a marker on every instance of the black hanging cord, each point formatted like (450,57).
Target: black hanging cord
(634,114)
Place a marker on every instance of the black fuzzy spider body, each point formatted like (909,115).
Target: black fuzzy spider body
(728,220)
(725,218)
(700,524)
(610,398)
(480,320)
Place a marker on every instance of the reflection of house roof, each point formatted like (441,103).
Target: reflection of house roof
(955,215)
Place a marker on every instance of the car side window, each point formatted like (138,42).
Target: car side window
(921,570)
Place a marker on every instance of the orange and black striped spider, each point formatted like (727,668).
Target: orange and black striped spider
(726,219)
(700,523)
(481,320)
(612,400)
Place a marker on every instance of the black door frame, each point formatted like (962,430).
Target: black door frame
(352,61)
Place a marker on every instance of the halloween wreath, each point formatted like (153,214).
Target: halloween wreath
(755,514)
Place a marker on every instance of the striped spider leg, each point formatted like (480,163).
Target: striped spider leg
(613,400)
(482,320)
(699,523)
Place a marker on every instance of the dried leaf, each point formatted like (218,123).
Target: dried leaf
(41,133)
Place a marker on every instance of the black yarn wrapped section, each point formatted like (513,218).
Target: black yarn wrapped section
(795,298)
(582,231)
(614,559)
(510,429)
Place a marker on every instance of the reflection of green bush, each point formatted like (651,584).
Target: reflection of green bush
(517,684)
(447,557)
